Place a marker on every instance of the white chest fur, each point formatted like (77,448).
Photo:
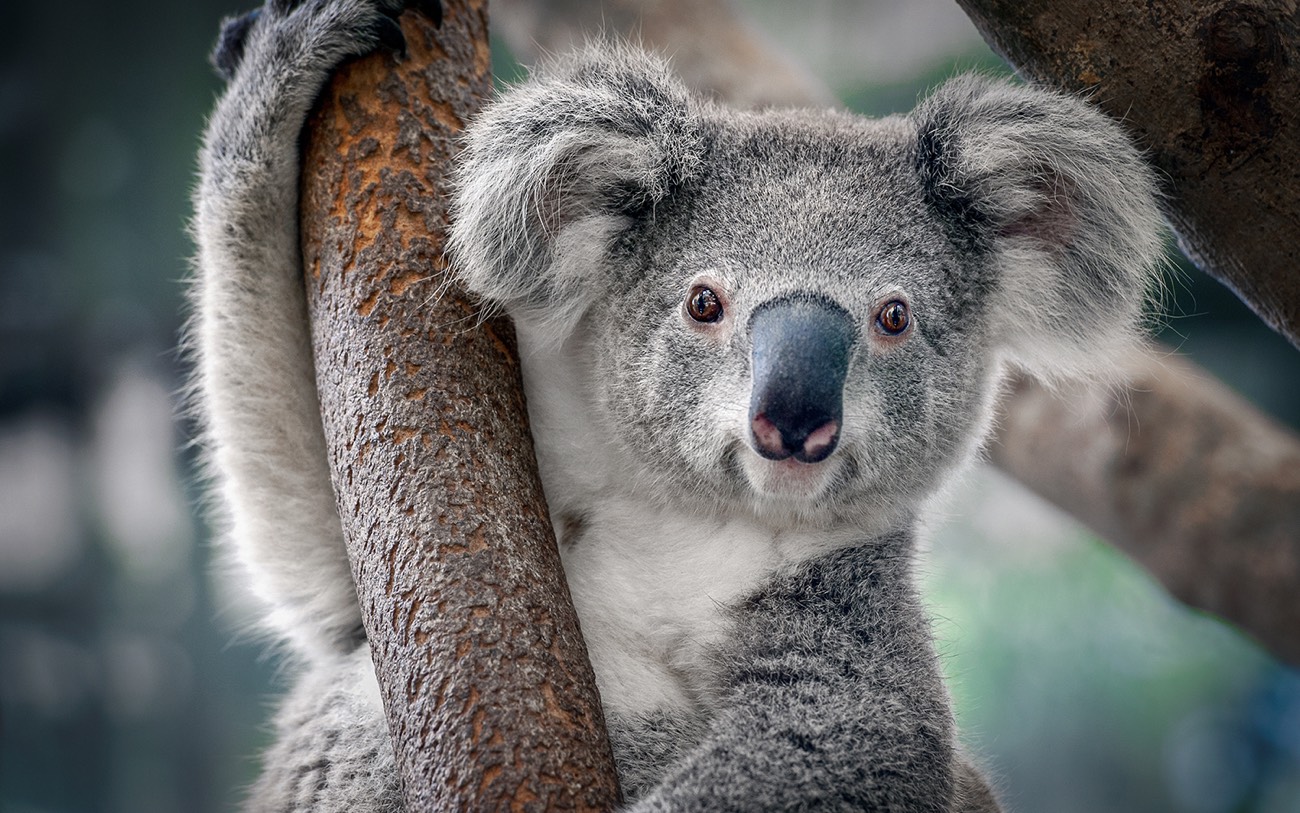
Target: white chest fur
(651,588)
(651,581)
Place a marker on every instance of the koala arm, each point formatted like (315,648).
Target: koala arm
(255,383)
(332,752)
(833,701)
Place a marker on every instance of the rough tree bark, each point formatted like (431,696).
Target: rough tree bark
(1210,88)
(1175,470)
(490,697)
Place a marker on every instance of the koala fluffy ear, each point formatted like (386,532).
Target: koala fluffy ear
(1060,211)
(557,168)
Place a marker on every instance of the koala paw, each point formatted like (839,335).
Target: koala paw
(358,26)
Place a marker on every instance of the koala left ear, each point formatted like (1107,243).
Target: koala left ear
(1060,210)
(557,168)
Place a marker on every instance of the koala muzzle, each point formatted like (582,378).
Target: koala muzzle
(800,355)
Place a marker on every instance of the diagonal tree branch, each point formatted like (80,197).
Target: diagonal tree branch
(1217,520)
(717,51)
(1179,472)
(1184,476)
(490,698)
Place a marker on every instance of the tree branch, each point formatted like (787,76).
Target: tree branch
(490,698)
(1216,520)
(1209,87)
(716,51)
(1184,476)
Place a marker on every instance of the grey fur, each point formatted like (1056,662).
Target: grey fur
(331,751)
(754,625)
(254,374)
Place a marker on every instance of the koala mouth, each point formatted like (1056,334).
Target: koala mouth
(789,478)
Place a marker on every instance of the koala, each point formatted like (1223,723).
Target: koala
(756,344)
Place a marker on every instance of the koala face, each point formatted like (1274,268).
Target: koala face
(778,330)
(803,313)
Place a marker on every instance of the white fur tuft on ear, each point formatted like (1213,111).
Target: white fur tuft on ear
(558,167)
(1061,207)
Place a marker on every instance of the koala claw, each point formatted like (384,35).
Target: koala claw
(390,35)
(431,9)
(230,43)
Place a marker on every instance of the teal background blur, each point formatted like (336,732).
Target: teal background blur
(124,682)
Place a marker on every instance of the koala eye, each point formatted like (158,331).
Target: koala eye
(893,318)
(703,304)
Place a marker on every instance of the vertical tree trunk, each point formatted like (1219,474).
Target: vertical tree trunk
(489,694)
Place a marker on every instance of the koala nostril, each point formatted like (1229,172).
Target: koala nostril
(777,443)
(768,440)
(820,443)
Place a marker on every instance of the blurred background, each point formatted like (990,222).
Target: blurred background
(125,684)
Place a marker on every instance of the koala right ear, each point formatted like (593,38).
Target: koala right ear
(557,168)
(1060,208)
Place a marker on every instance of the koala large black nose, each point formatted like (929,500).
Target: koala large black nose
(800,355)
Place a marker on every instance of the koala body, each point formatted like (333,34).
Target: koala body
(755,344)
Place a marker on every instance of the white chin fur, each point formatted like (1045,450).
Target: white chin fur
(789,479)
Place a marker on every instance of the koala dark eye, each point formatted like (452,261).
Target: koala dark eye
(703,304)
(893,318)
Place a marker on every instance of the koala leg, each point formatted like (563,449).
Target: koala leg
(645,746)
(332,752)
(255,383)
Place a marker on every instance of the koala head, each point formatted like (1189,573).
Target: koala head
(803,311)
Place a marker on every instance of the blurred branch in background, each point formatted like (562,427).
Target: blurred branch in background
(1182,474)
(717,51)
(1146,485)
(1178,472)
